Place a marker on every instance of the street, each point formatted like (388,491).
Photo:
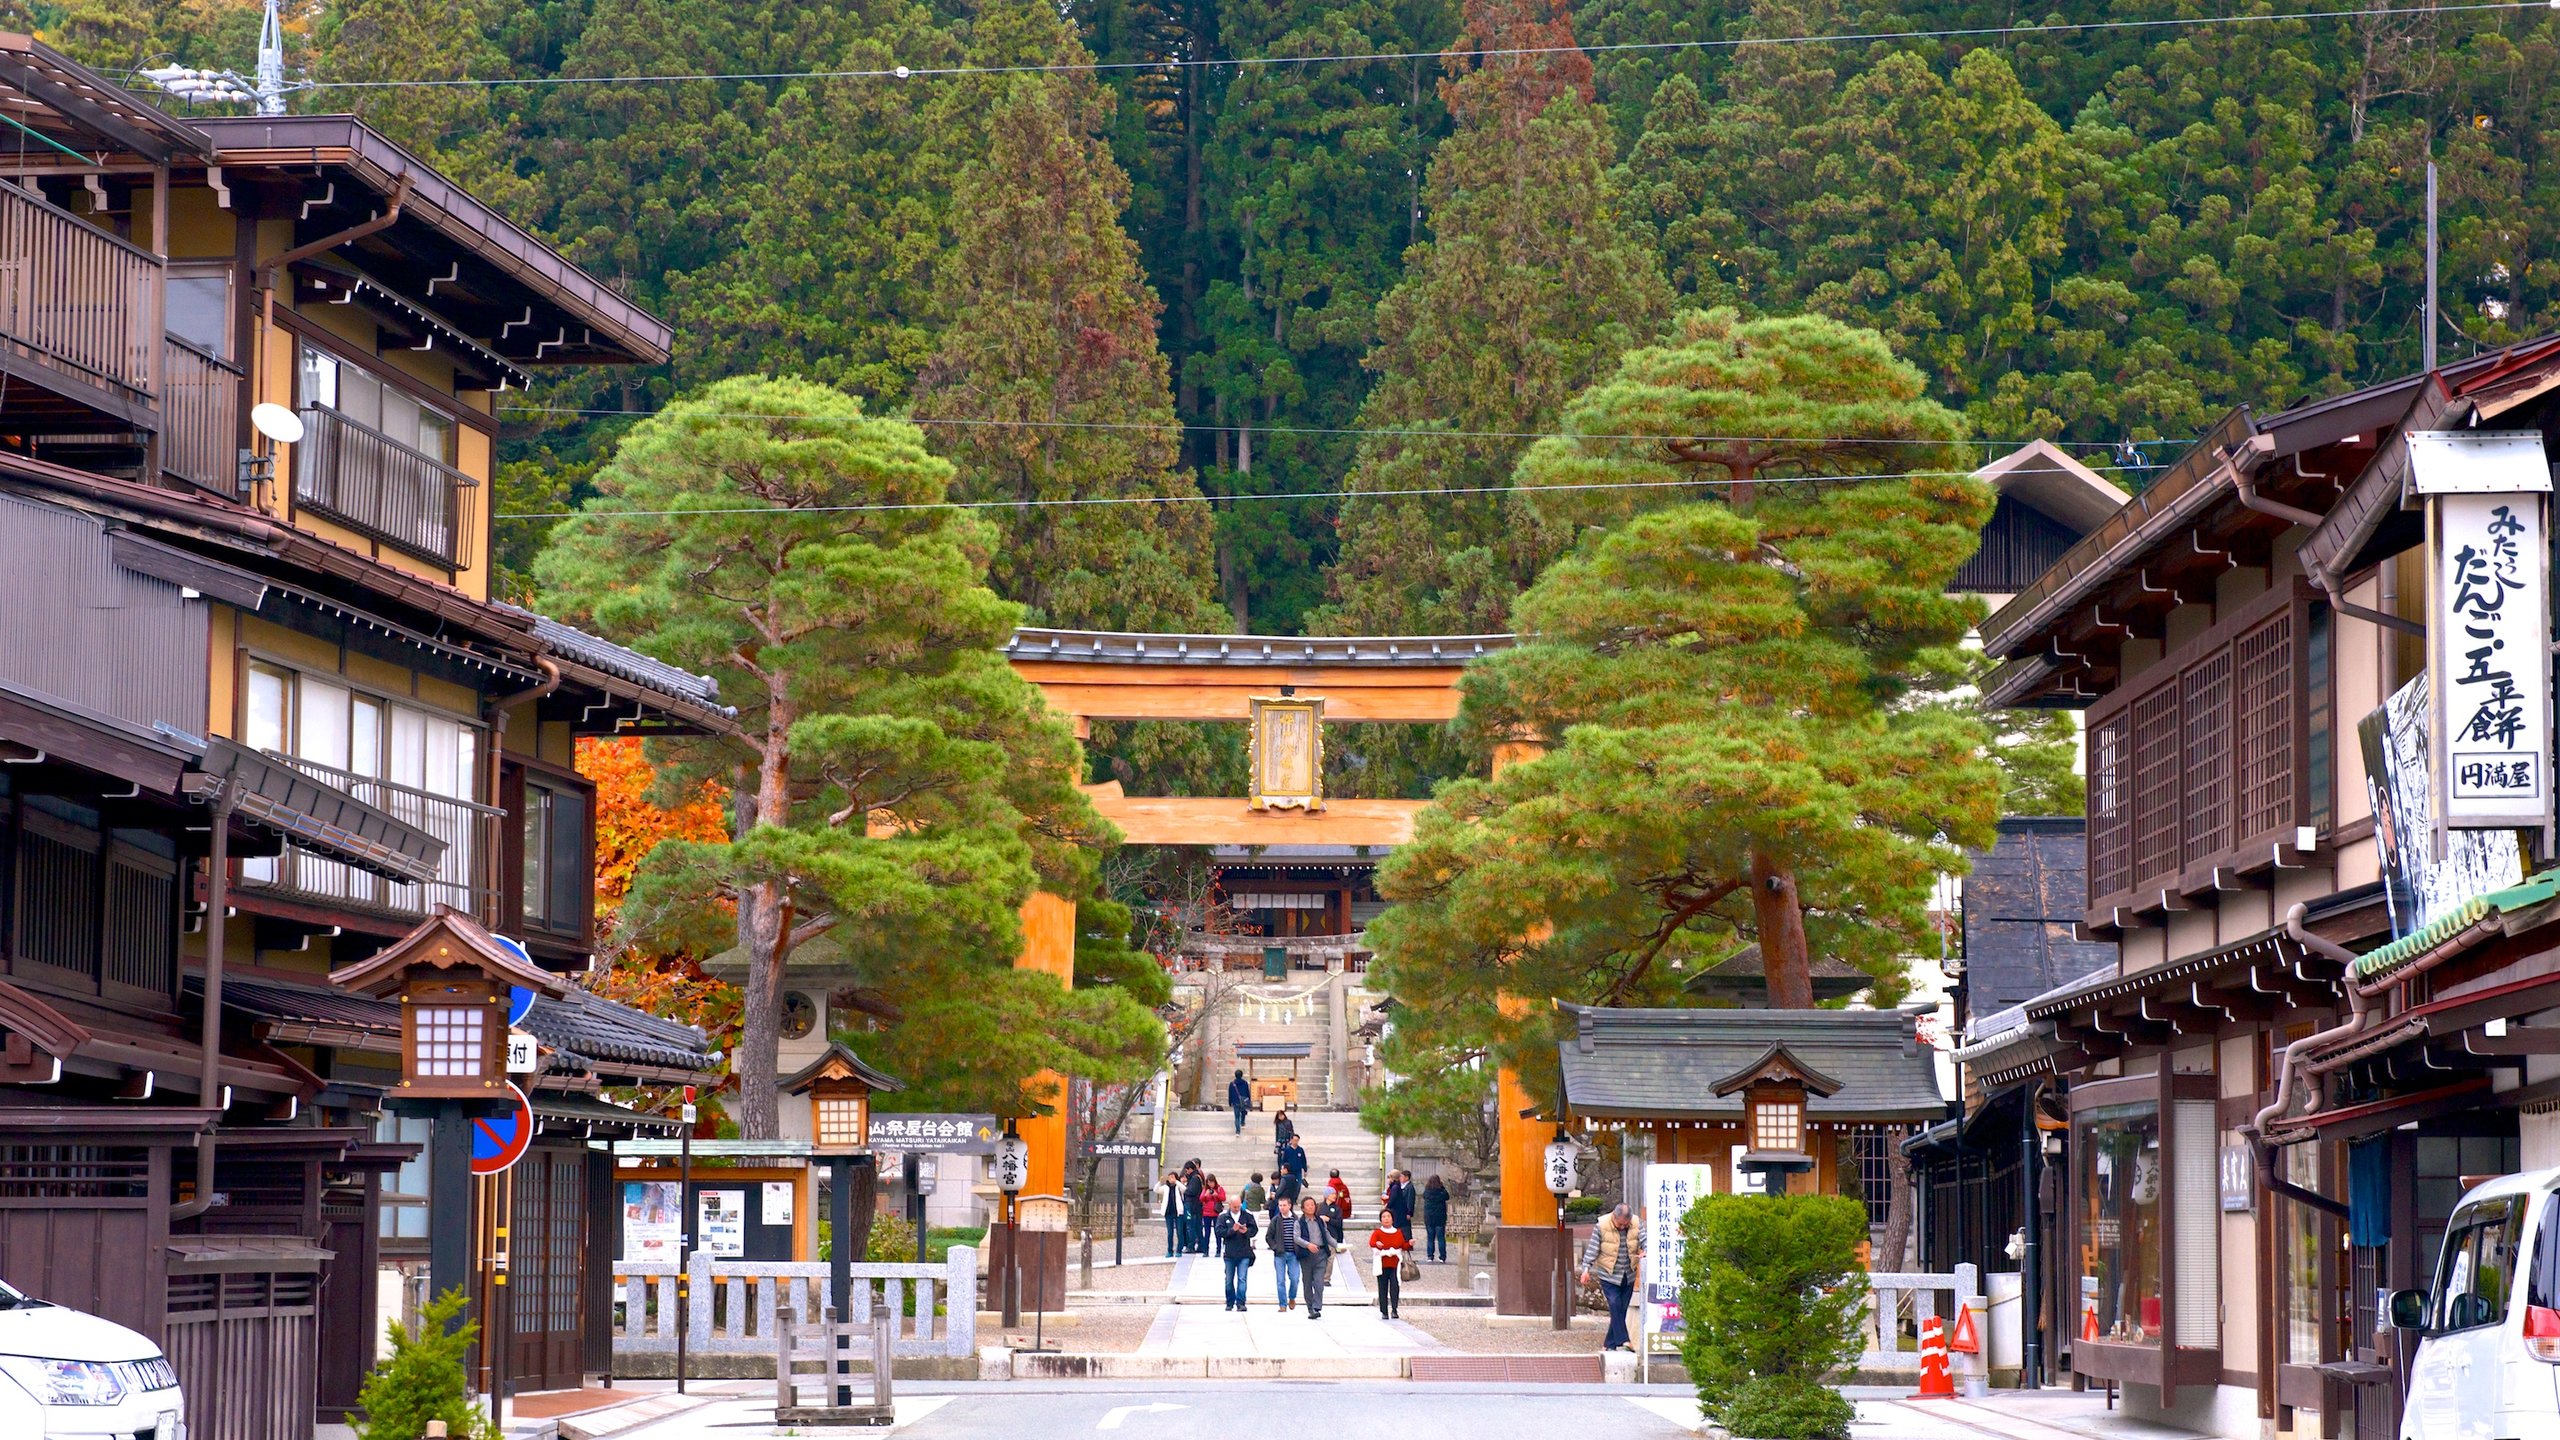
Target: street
(1407,1411)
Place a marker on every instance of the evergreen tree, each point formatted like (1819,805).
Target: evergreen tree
(1726,687)
(1527,289)
(1048,353)
(898,792)
(422,1379)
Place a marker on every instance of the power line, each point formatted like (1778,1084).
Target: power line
(1220,499)
(1855,37)
(1209,427)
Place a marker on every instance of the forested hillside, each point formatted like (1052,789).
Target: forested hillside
(2099,235)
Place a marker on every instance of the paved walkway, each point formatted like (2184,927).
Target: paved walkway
(1198,1322)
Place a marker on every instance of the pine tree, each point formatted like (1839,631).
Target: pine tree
(1049,325)
(423,1380)
(898,792)
(1726,686)
(1527,289)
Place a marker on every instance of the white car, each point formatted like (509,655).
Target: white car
(2488,1362)
(66,1375)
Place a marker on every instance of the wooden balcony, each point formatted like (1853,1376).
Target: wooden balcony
(79,308)
(200,418)
(469,832)
(376,486)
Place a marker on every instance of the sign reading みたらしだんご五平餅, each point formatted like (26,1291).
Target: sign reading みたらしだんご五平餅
(2489,630)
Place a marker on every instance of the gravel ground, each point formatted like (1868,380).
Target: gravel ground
(1125,1279)
(1095,1330)
(1477,1332)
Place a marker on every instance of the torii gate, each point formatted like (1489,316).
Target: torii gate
(1113,676)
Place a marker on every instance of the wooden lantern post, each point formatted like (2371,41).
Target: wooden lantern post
(840,1086)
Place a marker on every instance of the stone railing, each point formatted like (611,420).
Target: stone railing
(734,1303)
(1881,1327)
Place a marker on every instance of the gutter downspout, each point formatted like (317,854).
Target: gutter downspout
(2250,499)
(210,1096)
(2360,1008)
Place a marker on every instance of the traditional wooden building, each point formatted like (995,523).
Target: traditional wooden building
(281,634)
(2227,632)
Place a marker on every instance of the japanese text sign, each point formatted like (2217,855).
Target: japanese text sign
(2489,626)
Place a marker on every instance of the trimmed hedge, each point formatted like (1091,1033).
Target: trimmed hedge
(1771,1294)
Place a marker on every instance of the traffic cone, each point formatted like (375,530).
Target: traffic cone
(1935,1382)
(2089,1321)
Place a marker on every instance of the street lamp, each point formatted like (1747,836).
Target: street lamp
(840,1086)
(1561,1153)
(1013,1171)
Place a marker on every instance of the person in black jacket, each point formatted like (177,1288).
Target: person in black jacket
(1282,1236)
(1435,1220)
(1239,1099)
(1195,1226)
(1235,1239)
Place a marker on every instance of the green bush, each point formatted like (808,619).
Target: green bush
(1770,1289)
(423,1380)
(893,1242)
(1583,1207)
(1788,1407)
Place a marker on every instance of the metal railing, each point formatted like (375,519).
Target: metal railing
(469,832)
(75,297)
(371,483)
(199,418)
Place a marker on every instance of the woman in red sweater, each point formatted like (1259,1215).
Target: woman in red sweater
(1391,1246)
(1213,1197)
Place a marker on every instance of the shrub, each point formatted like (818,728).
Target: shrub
(1770,1290)
(423,1379)
(1788,1407)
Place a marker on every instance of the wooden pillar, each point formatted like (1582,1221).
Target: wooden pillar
(1524,1254)
(1048,946)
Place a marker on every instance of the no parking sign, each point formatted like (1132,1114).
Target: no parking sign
(499,1141)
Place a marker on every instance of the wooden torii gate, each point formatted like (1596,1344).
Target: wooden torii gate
(1112,676)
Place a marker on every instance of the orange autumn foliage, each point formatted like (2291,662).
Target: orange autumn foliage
(628,826)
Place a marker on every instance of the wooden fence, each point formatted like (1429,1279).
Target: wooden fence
(736,1304)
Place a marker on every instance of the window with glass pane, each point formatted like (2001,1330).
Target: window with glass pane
(537,848)
(404,1191)
(200,307)
(2302,1234)
(2476,1275)
(2120,1178)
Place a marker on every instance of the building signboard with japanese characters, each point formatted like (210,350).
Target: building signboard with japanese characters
(2489,624)
(936,1134)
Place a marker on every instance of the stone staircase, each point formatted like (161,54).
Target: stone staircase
(1299,1010)
(1333,1138)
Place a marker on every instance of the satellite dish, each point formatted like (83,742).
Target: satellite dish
(276,423)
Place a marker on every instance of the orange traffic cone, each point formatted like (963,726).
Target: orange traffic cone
(2089,1321)
(1935,1382)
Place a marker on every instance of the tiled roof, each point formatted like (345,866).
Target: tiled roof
(595,1028)
(568,1107)
(2491,910)
(306,1005)
(2019,905)
(1663,1064)
(1138,648)
(622,661)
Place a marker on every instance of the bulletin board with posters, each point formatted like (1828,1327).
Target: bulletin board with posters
(1669,1192)
(739,1213)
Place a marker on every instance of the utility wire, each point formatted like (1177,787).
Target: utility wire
(1222,499)
(1209,427)
(1853,37)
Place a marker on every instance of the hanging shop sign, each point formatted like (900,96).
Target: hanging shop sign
(2488,624)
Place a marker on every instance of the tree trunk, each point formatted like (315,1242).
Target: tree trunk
(1898,1207)
(866,1206)
(1779,915)
(764,924)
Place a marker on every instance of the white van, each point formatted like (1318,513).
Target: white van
(65,1375)
(2488,1362)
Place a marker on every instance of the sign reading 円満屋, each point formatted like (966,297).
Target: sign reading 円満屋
(2489,624)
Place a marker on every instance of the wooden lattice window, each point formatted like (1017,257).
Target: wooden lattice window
(2204,706)
(2110,807)
(2156,784)
(2264,724)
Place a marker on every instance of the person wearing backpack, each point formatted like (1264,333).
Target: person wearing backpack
(1239,1099)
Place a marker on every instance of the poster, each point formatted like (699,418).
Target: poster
(2420,888)
(652,1221)
(1669,1191)
(777,1202)
(722,1225)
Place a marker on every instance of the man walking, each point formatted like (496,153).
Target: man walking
(1283,1239)
(1400,1199)
(1611,1254)
(1239,1099)
(1195,1228)
(1235,1235)
(1315,1256)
